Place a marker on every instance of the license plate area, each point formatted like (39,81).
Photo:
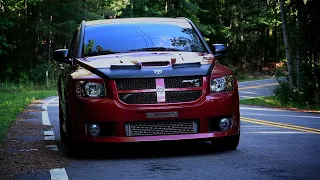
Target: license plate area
(162,114)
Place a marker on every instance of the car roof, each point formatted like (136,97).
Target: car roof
(180,21)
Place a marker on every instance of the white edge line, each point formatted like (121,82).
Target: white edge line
(275,132)
(259,108)
(49,138)
(58,174)
(53,147)
(48,133)
(45,116)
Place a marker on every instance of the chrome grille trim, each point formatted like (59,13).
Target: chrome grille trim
(156,128)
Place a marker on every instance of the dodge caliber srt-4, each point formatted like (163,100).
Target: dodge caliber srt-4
(145,79)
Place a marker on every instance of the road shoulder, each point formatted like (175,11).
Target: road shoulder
(24,150)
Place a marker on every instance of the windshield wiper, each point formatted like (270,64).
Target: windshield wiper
(97,53)
(154,49)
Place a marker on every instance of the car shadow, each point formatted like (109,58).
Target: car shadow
(147,150)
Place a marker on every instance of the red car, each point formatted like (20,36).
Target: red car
(145,79)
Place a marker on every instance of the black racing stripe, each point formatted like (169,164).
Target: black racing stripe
(147,72)
(120,73)
(93,70)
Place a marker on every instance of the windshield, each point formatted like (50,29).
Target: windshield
(122,38)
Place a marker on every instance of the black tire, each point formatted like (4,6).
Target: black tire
(226,143)
(72,148)
(70,144)
(61,120)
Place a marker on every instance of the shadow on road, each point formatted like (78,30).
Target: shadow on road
(147,150)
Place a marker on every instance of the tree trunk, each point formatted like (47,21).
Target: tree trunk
(166,7)
(286,44)
(300,43)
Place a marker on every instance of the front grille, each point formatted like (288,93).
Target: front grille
(182,96)
(156,128)
(150,83)
(138,98)
(183,82)
(135,84)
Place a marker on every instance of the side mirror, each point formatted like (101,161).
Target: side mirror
(220,50)
(61,55)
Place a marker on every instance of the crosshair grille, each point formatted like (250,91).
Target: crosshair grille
(125,85)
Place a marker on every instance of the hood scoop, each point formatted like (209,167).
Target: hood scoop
(121,67)
(139,65)
(155,63)
(192,64)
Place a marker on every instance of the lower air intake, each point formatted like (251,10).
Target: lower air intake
(157,128)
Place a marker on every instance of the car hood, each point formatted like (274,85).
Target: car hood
(149,64)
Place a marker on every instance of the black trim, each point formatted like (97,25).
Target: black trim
(92,69)
(202,70)
(127,72)
(195,64)
(121,67)
(81,39)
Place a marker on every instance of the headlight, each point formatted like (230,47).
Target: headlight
(90,89)
(222,84)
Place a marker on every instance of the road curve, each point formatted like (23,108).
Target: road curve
(257,88)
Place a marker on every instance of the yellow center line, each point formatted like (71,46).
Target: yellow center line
(281,125)
(253,87)
(276,123)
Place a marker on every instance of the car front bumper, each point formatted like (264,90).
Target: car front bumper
(84,111)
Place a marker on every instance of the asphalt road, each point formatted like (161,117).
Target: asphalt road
(274,144)
(258,88)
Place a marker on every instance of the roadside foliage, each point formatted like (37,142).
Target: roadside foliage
(259,34)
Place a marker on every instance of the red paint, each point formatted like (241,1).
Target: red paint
(111,110)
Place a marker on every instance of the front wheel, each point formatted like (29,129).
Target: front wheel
(72,147)
(61,121)
(227,143)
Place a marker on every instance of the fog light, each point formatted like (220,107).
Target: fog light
(224,124)
(94,129)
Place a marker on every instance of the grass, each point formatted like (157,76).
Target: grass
(273,101)
(14,99)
